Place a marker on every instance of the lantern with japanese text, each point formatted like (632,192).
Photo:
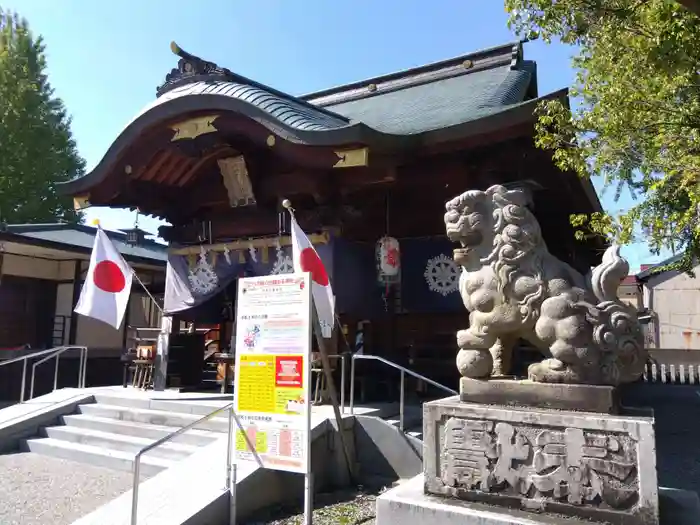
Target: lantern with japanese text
(388,261)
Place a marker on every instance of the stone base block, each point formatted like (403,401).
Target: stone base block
(407,504)
(512,392)
(584,465)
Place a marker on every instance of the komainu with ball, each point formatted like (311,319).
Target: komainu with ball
(514,288)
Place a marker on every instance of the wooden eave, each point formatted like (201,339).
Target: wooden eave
(692,5)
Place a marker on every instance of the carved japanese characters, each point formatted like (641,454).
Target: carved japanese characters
(514,288)
(570,465)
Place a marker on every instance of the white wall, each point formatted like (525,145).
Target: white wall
(23,266)
(675,299)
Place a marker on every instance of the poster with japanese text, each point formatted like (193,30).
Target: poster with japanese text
(271,383)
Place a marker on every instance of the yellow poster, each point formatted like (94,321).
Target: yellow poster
(271,384)
(256,383)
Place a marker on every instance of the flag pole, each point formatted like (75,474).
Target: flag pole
(325,363)
(148,292)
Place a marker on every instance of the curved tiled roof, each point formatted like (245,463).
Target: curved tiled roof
(287,111)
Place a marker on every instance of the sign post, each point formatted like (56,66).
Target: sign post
(272,375)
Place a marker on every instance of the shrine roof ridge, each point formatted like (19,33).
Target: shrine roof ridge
(192,69)
(510,54)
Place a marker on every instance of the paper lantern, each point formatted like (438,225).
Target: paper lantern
(388,260)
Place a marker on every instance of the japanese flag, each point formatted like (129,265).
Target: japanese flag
(105,293)
(307,260)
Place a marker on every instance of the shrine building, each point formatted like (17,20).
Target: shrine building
(368,168)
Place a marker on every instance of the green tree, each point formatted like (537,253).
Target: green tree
(37,150)
(637,121)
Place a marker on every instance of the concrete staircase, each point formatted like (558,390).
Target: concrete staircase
(413,420)
(110,431)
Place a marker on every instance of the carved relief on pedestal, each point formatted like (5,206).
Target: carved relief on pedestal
(570,465)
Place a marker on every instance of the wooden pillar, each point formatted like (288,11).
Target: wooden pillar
(77,286)
(162,348)
(125,329)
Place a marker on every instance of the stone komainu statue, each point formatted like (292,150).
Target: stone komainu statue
(514,288)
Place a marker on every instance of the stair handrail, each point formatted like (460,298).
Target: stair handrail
(137,458)
(82,366)
(26,359)
(403,370)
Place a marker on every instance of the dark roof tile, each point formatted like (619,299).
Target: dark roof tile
(82,236)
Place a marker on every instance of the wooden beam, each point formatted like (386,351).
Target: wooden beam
(259,242)
(239,222)
(298,154)
(211,156)
(692,5)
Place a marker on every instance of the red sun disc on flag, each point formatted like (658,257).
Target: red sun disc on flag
(311,262)
(108,277)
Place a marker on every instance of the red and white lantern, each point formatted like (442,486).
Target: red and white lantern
(388,260)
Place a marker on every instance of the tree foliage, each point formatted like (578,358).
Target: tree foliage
(36,146)
(637,124)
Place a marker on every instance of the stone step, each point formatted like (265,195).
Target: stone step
(197,407)
(413,425)
(93,455)
(152,417)
(119,442)
(418,434)
(153,432)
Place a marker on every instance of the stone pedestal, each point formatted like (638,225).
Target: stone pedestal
(408,504)
(578,464)
(519,393)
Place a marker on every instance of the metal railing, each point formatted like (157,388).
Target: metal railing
(82,366)
(50,354)
(169,437)
(404,371)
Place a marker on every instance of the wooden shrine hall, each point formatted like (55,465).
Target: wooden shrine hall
(367,166)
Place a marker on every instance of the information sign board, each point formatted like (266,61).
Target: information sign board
(272,369)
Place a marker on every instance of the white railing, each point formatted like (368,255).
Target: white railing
(672,373)
(672,366)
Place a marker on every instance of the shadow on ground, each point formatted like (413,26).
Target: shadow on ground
(677,413)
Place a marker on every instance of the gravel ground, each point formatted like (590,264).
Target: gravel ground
(41,490)
(348,507)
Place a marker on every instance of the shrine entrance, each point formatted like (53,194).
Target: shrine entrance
(368,168)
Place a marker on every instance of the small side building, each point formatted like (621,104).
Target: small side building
(629,292)
(42,270)
(672,300)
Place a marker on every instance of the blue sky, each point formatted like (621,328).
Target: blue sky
(107,58)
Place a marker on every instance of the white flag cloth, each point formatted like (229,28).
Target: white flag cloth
(306,259)
(105,293)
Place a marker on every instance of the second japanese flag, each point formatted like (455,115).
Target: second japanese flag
(306,259)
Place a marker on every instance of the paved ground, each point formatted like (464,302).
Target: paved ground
(677,413)
(25,476)
(41,490)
